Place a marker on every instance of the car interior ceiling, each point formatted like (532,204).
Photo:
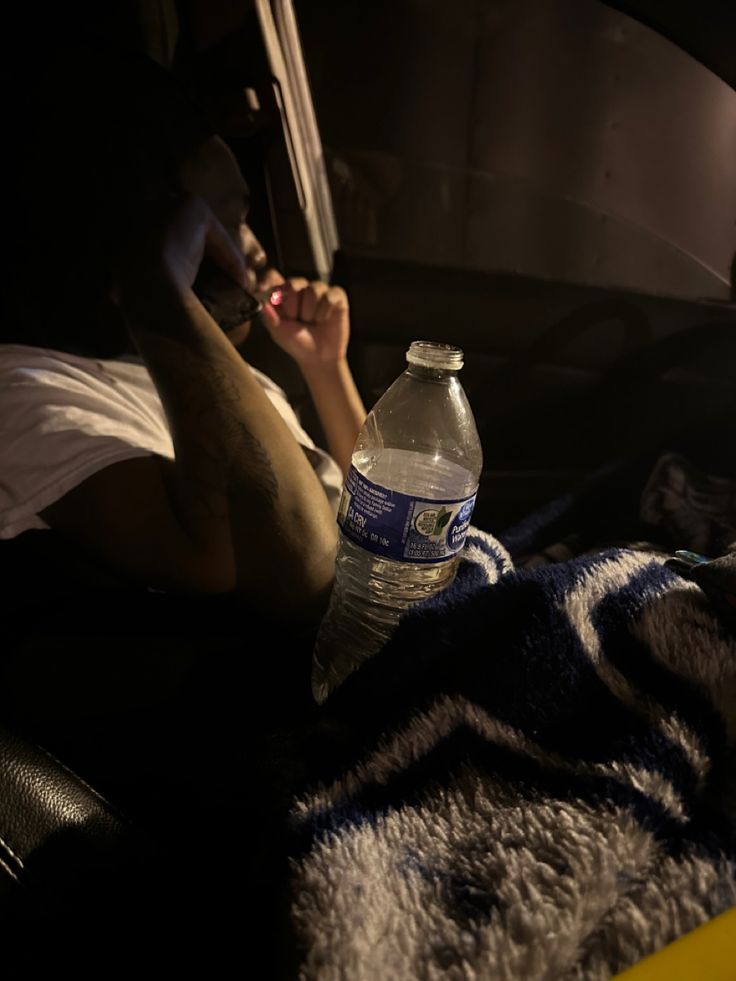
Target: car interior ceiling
(573,364)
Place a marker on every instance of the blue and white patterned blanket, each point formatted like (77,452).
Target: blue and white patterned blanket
(533,780)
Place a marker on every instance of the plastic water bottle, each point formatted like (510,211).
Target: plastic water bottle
(404,512)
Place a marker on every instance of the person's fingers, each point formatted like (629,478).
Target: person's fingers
(310,297)
(324,309)
(307,304)
(289,308)
(338,297)
(177,235)
(220,247)
(269,318)
(333,298)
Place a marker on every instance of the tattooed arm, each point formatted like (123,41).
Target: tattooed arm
(240,509)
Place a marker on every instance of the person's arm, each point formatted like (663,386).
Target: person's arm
(240,509)
(312,325)
(338,406)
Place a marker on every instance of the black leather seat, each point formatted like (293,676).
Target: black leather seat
(75,876)
(57,834)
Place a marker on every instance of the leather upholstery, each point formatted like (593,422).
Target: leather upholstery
(63,849)
(41,798)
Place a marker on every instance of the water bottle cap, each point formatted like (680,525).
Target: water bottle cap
(430,354)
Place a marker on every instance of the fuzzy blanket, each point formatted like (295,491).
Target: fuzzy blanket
(533,780)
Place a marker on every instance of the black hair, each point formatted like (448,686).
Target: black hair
(100,136)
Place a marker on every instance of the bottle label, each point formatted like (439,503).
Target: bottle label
(402,526)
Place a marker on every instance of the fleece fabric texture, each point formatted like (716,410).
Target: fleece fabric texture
(533,780)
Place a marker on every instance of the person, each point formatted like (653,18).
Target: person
(134,426)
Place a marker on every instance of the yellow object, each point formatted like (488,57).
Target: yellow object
(705,954)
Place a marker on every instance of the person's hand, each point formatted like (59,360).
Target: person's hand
(170,247)
(312,322)
(192,232)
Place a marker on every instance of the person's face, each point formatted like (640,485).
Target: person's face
(214,175)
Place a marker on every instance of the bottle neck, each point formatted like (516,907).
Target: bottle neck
(423,373)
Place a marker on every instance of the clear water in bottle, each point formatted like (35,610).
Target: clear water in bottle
(404,512)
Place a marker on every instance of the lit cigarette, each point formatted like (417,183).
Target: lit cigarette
(275,295)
